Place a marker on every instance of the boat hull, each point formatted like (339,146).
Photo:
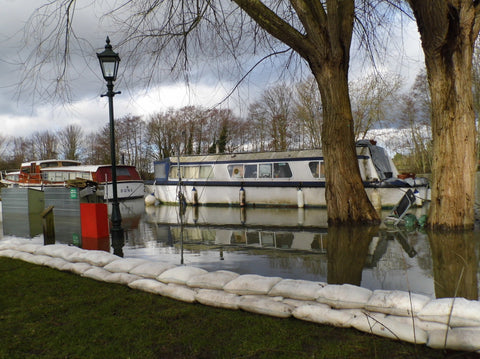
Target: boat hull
(273,195)
(125,190)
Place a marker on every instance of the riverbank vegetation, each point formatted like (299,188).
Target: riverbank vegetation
(45,313)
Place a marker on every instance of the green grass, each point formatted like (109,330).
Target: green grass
(45,313)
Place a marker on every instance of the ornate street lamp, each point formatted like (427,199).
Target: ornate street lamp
(109,61)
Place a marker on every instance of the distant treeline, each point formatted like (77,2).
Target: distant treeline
(286,117)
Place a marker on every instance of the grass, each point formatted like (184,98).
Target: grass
(45,313)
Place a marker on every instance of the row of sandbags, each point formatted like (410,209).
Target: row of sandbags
(452,323)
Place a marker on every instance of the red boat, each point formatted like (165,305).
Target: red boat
(40,174)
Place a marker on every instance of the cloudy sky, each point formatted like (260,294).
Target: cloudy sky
(22,113)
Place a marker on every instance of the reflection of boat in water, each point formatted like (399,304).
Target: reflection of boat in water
(294,178)
(279,228)
(282,228)
(61,173)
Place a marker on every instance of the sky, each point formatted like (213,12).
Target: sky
(22,114)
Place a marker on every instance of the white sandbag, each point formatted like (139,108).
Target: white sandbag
(212,280)
(265,305)
(124,265)
(323,314)
(29,247)
(98,273)
(396,302)
(56,263)
(122,278)
(422,324)
(6,245)
(178,292)
(50,249)
(467,339)
(77,268)
(295,303)
(24,256)
(94,257)
(465,313)
(180,275)
(344,296)
(13,242)
(65,252)
(217,298)
(151,269)
(9,253)
(297,289)
(148,285)
(251,284)
(388,327)
(39,259)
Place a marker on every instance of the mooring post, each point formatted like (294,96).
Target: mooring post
(48,226)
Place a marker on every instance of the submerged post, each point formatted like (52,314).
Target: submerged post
(48,223)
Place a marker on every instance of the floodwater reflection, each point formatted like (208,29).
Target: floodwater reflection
(347,252)
(455,263)
(289,243)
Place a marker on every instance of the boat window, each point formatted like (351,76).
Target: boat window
(55,176)
(281,170)
(205,171)
(174,171)
(161,170)
(317,169)
(48,164)
(123,171)
(67,163)
(265,170)
(235,171)
(191,171)
(250,171)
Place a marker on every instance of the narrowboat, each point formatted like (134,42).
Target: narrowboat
(292,179)
(49,173)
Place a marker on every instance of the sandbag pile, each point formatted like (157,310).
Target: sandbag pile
(451,323)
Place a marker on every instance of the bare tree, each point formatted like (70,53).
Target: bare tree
(259,136)
(97,149)
(374,99)
(278,107)
(308,111)
(22,150)
(44,145)
(70,140)
(448,31)
(321,33)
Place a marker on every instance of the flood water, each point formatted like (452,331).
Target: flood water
(284,242)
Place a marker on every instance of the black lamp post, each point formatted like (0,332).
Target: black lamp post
(109,61)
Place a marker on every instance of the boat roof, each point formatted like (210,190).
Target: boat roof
(251,156)
(82,168)
(40,162)
(262,156)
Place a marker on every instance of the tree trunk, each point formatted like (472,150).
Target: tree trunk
(448,30)
(347,201)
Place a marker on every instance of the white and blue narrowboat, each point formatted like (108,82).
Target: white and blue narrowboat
(293,178)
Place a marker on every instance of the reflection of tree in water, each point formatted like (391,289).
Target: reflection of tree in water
(347,250)
(455,263)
